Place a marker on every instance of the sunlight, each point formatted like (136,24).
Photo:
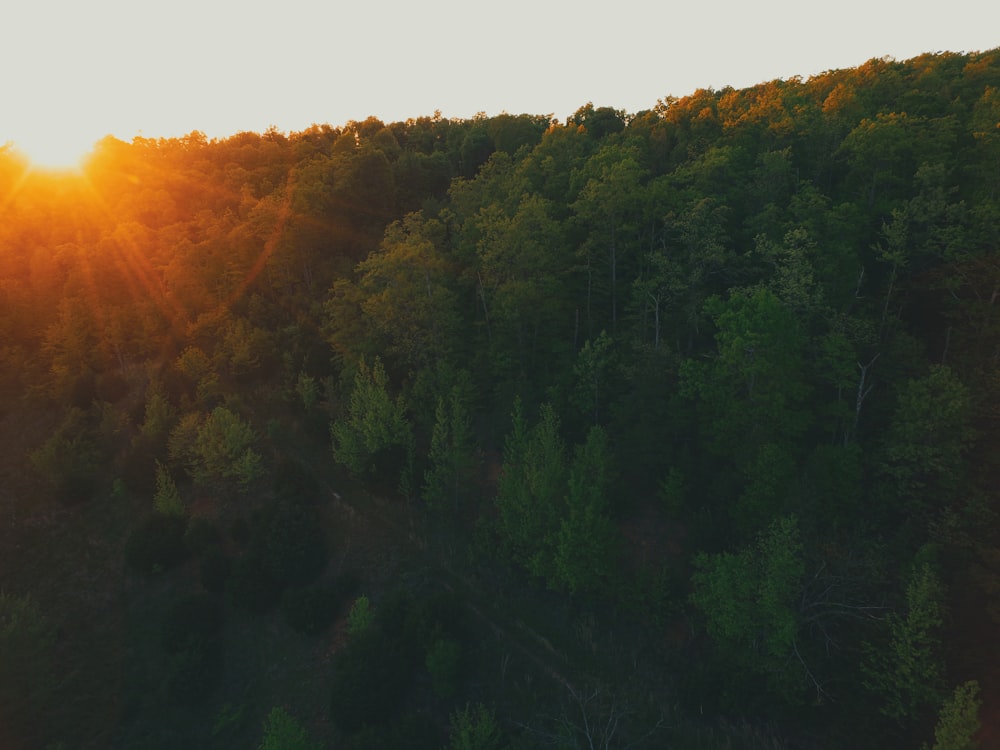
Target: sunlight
(51,151)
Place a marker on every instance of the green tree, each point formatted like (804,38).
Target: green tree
(443,662)
(452,454)
(361,616)
(375,437)
(70,460)
(928,440)
(958,722)
(223,450)
(406,296)
(282,731)
(474,728)
(26,657)
(531,489)
(586,541)
(906,671)
(749,602)
(167,499)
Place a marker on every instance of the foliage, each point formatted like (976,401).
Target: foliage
(443,662)
(310,609)
(774,302)
(586,543)
(27,638)
(69,461)
(282,731)
(214,570)
(289,540)
(167,500)
(748,599)
(370,676)
(375,437)
(250,585)
(474,728)
(958,722)
(360,617)
(906,672)
(191,637)
(223,450)
(156,544)
(531,487)
(202,535)
(451,454)
(196,617)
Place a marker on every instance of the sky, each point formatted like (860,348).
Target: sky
(73,72)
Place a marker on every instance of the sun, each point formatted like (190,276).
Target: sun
(51,151)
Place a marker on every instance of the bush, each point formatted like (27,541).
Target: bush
(433,617)
(239,531)
(443,662)
(282,731)
(201,535)
(157,544)
(293,483)
(214,570)
(193,671)
(291,544)
(370,676)
(414,731)
(251,587)
(192,618)
(311,609)
(190,633)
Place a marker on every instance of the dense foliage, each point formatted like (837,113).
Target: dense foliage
(674,427)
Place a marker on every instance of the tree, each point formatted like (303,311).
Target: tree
(406,296)
(451,453)
(749,602)
(593,369)
(70,461)
(928,439)
(586,541)
(531,489)
(223,450)
(958,722)
(474,728)
(26,640)
(906,672)
(282,731)
(375,437)
(609,206)
(167,499)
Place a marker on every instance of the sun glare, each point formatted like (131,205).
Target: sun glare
(52,152)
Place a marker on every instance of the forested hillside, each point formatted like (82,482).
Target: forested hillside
(676,428)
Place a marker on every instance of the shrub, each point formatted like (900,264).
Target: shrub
(157,544)
(443,662)
(310,609)
(291,544)
(201,535)
(370,676)
(292,482)
(251,587)
(191,618)
(193,671)
(239,531)
(214,570)
(282,731)
(360,618)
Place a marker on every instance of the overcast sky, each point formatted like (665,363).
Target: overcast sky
(74,70)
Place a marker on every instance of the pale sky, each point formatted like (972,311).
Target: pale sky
(74,70)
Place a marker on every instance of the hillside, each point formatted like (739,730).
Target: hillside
(668,428)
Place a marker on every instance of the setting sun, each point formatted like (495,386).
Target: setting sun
(52,151)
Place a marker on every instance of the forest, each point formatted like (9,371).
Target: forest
(668,429)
